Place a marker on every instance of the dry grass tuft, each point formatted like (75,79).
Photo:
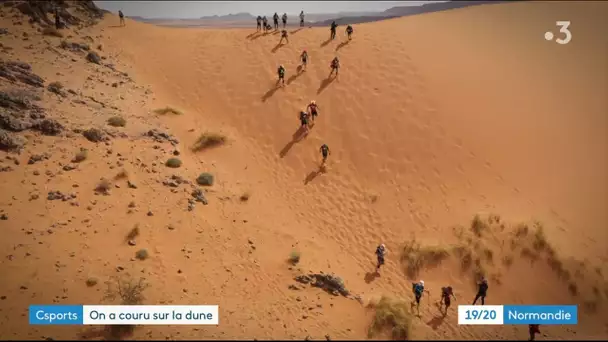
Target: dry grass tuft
(479,226)
(81,156)
(103,187)
(173,163)
(209,140)
(168,110)
(117,121)
(415,257)
(122,174)
(294,257)
(133,233)
(392,315)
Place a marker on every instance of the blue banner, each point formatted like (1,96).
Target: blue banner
(540,314)
(56,314)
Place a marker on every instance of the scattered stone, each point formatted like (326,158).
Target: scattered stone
(3,217)
(159,136)
(132,204)
(57,88)
(293,287)
(49,127)
(69,167)
(36,173)
(92,281)
(150,213)
(11,122)
(131,243)
(93,57)
(19,71)
(330,283)
(94,135)
(10,141)
(58,195)
(38,157)
(191,204)
(199,196)
(131,185)
(176,153)
(3,31)
(74,47)
(7,168)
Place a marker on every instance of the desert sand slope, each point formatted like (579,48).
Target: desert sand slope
(433,118)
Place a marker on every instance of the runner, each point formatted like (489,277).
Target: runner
(302,19)
(349,31)
(284,35)
(482,291)
(380,253)
(275,18)
(265,23)
(533,329)
(325,152)
(259,22)
(446,298)
(284,20)
(333,29)
(122,18)
(335,66)
(313,109)
(418,289)
(304,120)
(304,58)
(281,72)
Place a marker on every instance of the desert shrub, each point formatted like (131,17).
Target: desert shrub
(205,179)
(103,187)
(168,110)
(415,257)
(392,315)
(81,155)
(294,257)
(209,140)
(122,174)
(117,121)
(142,254)
(173,163)
(55,87)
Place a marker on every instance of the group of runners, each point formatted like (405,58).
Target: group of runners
(447,293)
(309,114)
(263,25)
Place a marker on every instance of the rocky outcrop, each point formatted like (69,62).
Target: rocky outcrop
(328,282)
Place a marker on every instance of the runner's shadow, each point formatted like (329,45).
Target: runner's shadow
(271,92)
(325,83)
(324,44)
(435,322)
(277,47)
(295,138)
(296,31)
(341,45)
(314,174)
(371,276)
(295,76)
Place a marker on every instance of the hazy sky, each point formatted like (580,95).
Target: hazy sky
(197,9)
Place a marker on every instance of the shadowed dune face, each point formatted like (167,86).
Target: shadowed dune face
(432,119)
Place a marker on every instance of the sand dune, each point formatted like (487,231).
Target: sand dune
(433,119)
